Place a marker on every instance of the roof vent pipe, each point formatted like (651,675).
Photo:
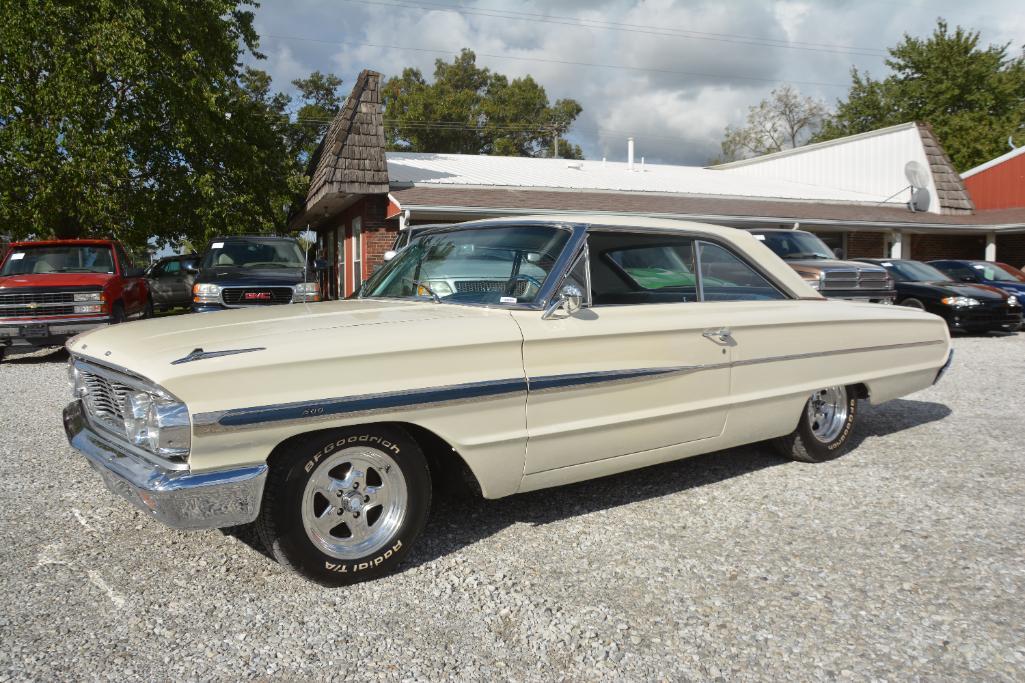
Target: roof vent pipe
(629,154)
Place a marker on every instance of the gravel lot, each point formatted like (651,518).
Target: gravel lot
(902,560)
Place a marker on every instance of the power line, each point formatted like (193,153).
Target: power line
(560,61)
(426,6)
(508,127)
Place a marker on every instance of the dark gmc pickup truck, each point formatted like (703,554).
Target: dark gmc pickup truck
(52,290)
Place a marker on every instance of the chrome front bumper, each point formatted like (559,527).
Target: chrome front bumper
(178,498)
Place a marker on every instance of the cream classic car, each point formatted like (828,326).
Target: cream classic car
(517,354)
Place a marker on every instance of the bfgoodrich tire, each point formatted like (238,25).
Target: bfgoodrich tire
(345,506)
(825,428)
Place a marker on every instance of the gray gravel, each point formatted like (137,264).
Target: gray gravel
(902,560)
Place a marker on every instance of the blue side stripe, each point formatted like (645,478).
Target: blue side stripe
(581,378)
(247,416)
(406,399)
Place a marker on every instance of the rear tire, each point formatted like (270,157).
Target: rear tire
(345,506)
(825,427)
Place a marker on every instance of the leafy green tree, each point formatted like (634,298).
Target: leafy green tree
(134,117)
(472,110)
(320,101)
(783,120)
(974,98)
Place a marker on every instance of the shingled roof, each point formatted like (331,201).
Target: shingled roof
(350,158)
(950,189)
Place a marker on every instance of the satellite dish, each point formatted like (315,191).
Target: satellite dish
(916,174)
(920,198)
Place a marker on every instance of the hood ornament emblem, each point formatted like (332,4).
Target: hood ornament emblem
(200,354)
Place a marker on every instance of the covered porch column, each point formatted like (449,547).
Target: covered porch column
(991,246)
(897,245)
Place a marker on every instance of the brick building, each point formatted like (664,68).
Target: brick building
(854,192)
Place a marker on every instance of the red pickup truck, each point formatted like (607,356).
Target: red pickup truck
(52,290)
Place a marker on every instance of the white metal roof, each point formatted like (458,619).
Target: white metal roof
(994,162)
(466,170)
(869,163)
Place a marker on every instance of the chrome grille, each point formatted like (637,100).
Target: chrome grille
(106,402)
(480,286)
(855,279)
(37,304)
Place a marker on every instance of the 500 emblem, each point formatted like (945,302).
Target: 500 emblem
(310,412)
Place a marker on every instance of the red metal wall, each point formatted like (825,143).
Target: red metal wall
(999,187)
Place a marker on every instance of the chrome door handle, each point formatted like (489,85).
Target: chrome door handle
(722,334)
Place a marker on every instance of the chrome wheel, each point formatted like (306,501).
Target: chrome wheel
(827,413)
(354,502)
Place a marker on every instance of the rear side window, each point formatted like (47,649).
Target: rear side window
(725,277)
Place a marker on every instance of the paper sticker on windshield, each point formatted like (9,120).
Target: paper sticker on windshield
(507,300)
(217,245)
(886,263)
(17,257)
(760,237)
(977,267)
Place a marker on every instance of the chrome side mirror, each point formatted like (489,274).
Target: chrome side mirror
(390,254)
(570,300)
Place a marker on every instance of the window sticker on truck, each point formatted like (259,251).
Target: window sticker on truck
(17,257)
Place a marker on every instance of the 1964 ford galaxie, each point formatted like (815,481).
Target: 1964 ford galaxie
(516,354)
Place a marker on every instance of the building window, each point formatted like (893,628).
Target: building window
(340,250)
(357,253)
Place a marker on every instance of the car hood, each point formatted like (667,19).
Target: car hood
(246,277)
(826,265)
(315,335)
(1014,287)
(949,288)
(54,280)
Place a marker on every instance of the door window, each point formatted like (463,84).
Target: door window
(725,277)
(171,268)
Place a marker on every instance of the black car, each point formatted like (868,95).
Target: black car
(965,306)
(170,281)
(242,271)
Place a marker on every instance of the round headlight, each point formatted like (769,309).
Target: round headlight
(1012,300)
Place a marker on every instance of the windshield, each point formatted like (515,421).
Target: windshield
(914,271)
(253,254)
(999,272)
(794,244)
(59,259)
(472,265)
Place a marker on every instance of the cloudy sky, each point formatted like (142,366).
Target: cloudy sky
(671,74)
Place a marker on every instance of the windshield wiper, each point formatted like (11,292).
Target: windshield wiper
(434,295)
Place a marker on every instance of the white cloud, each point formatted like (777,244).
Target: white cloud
(675,117)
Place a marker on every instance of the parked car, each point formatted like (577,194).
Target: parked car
(1007,278)
(328,427)
(241,271)
(965,306)
(822,270)
(52,290)
(170,281)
